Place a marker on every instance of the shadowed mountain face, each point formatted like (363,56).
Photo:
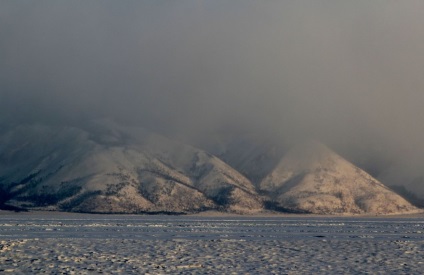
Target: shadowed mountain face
(311,178)
(106,168)
(113,169)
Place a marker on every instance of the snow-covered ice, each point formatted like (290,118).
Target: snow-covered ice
(87,244)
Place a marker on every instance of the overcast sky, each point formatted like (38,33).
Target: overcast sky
(349,73)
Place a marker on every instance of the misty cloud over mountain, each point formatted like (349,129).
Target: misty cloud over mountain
(347,74)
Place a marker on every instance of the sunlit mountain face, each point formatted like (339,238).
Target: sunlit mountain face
(115,169)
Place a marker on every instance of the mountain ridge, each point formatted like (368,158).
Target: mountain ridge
(107,168)
(114,176)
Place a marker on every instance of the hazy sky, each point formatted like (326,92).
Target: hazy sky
(350,73)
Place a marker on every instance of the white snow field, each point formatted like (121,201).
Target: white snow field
(58,243)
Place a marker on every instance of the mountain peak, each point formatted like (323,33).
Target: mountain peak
(313,178)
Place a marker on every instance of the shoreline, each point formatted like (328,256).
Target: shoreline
(213,214)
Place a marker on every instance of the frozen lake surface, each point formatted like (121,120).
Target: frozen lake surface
(209,228)
(72,243)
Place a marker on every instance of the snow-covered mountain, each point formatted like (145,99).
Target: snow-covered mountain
(103,167)
(107,168)
(312,178)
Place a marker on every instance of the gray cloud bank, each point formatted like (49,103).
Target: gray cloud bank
(349,73)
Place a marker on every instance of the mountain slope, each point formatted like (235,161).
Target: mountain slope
(311,178)
(107,168)
(103,167)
